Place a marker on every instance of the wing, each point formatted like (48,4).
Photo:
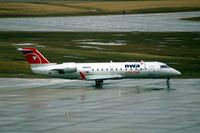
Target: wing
(99,77)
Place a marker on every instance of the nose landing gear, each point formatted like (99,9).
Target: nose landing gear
(168,84)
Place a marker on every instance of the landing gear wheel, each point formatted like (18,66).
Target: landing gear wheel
(98,83)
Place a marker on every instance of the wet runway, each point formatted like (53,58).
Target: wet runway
(129,106)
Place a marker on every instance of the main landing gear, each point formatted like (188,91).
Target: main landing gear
(98,83)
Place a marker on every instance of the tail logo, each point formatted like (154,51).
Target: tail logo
(33,58)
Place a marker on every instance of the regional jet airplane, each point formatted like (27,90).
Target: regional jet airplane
(97,72)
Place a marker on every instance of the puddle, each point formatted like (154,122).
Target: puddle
(148,39)
(163,42)
(196,39)
(170,38)
(28,44)
(91,47)
(183,46)
(85,40)
(173,40)
(104,44)
(74,57)
(24,44)
(119,34)
(161,46)
(158,49)
(99,42)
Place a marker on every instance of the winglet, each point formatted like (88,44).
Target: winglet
(83,76)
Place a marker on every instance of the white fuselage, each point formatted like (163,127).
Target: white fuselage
(104,71)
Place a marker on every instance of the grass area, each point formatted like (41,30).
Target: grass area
(192,19)
(98,7)
(179,49)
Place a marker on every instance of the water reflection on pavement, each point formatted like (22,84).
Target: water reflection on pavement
(56,105)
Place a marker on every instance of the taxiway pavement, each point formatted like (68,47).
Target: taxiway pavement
(128,106)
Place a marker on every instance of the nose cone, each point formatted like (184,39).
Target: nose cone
(178,73)
(175,72)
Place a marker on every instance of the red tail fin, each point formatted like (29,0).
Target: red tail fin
(33,56)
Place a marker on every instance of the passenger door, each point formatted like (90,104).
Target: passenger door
(151,71)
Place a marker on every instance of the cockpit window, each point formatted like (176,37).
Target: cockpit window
(164,66)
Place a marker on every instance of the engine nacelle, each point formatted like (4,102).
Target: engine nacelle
(69,67)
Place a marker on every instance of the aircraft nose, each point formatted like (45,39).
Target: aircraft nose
(176,72)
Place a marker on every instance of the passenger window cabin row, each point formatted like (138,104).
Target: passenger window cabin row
(116,69)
